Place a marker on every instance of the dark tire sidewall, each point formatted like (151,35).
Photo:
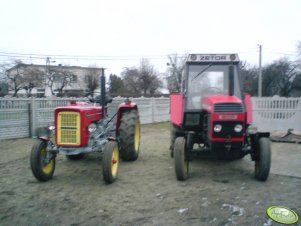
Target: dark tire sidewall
(35,162)
(107,162)
(179,157)
(263,162)
(126,135)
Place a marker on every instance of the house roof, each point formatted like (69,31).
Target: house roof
(52,66)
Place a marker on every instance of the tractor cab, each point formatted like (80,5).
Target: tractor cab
(212,113)
(216,76)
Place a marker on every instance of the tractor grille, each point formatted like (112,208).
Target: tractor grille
(68,128)
(228,107)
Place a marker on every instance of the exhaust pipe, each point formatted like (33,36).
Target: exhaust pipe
(103,91)
(231,80)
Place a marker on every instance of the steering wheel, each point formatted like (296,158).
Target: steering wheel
(214,89)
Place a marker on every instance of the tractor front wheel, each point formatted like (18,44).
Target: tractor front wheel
(42,162)
(181,161)
(110,162)
(263,159)
(129,135)
(174,133)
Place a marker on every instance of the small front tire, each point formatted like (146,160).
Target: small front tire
(263,161)
(181,161)
(110,162)
(42,163)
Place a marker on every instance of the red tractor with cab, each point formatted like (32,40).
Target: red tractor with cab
(212,115)
(81,128)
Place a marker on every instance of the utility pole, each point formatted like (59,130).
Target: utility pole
(260,73)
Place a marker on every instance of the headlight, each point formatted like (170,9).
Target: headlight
(51,128)
(238,128)
(252,129)
(92,127)
(217,128)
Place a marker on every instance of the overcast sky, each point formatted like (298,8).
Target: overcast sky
(117,34)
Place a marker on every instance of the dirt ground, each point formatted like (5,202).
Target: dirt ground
(146,191)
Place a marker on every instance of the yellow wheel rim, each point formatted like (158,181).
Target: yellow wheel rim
(115,161)
(137,136)
(46,168)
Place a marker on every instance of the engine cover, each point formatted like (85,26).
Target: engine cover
(72,121)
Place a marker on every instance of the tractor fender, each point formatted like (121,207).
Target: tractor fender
(126,106)
(44,138)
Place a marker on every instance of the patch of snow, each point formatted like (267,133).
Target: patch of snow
(268,223)
(235,209)
(182,210)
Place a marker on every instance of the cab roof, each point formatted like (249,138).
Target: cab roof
(201,58)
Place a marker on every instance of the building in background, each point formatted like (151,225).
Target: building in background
(52,80)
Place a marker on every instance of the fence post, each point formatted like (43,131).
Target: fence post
(153,109)
(29,104)
(33,117)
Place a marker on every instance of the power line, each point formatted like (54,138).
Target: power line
(82,57)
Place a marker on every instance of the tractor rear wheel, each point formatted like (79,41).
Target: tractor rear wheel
(129,135)
(181,161)
(42,165)
(263,161)
(110,162)
(75,157)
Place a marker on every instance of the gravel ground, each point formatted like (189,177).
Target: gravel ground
(146,191)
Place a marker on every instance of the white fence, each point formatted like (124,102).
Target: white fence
(21,117)
(277,114)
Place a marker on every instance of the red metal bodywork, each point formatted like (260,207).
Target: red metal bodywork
(208,103)
(123,107)
(176,108)
(88,114)
(248,104)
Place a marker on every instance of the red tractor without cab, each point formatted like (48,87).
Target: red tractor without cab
(82,128)
(211,115)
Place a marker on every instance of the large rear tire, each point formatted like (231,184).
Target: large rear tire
(41,164)
(129,135)
(263,161)
(181,161)
(110,162)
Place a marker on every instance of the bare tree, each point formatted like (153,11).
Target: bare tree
(143,80)
(278,77)
(174,72)
(92,79)
(116,86)
(131,80)
(32,78)
(21,76)
(149,78)
(249,77)
(60,78)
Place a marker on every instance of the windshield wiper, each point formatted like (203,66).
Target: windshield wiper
(202,71)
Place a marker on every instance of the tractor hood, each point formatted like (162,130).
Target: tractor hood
(220,104)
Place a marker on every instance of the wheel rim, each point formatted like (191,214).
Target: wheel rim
(115,161)
(46,167)
(186,166)
(137,136)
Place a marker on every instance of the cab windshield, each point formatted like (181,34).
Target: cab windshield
(204,80)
